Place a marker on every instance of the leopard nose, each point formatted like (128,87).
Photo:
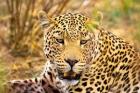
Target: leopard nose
(71,62)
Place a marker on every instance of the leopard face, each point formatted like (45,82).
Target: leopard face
(68,44)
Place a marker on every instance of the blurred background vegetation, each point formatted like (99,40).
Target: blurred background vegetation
(21,40)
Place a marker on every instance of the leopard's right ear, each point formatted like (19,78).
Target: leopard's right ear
(45,20)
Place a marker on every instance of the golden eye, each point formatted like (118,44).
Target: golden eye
(61,41)
(83,42)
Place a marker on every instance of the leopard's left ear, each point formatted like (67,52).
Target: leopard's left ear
(45,20)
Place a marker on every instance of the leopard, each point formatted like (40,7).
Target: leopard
(86,61)
(98,61)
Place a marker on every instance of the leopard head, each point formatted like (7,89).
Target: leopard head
(68,44)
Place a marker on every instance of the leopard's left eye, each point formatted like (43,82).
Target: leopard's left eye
(82,42)
(61,41)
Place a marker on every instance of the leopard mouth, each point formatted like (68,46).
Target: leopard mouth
(69,75)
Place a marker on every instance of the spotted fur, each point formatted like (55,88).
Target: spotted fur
(116,69)
(47,82)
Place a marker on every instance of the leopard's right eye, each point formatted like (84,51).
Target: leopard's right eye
(61,41)
(82,42)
